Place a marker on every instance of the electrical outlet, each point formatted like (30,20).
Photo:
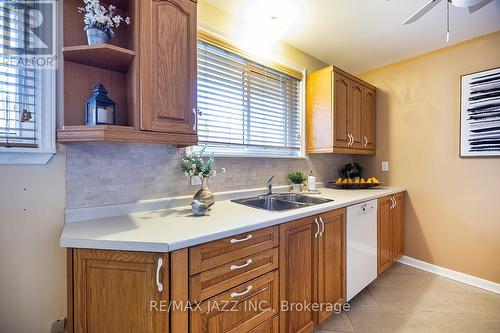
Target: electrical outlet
(385,166)
(195,181)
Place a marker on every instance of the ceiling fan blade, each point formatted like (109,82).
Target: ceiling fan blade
(422,11)
(480,5)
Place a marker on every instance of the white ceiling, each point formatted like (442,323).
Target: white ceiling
(360,35)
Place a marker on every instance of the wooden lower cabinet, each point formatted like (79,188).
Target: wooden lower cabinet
(330,262)
(390,230)
(240,309)
(384,235)
(261,286)
(113,291)
(312,268)
(398,213)
(297,241)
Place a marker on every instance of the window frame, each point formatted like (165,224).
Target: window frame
(226,45)
(47,121)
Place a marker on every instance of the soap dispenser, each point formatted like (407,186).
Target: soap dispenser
(311,182)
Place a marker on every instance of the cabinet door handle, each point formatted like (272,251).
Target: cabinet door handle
(195,112)
(235,294)
(393,201)
(233,267)
(234,240)
(322,226)
(366,142)
(159,285)
(317,228)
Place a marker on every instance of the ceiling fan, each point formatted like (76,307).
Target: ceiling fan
(472,5)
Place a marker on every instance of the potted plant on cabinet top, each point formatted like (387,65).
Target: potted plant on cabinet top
(297,178)
(100,22)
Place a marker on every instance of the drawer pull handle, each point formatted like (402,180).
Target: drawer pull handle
(235,294)
(233,267)
(159,285)
(234,240)
(322,226)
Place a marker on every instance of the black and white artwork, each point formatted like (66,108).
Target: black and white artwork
(480,114)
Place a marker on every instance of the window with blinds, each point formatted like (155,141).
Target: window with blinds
(19,93)
(245,108)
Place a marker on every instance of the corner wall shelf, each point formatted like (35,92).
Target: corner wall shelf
(104,56)
(112,133)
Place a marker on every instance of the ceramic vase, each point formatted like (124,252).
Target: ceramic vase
(204,195)
(296,188)
(97,36)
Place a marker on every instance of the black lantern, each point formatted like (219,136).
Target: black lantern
(100,109)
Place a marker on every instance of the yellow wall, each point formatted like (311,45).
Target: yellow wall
(453,203)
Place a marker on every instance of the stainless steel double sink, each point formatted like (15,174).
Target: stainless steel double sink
(281,201)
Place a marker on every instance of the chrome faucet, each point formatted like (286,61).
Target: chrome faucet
(270,186)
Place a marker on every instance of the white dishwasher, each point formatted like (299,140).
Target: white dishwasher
(361,253)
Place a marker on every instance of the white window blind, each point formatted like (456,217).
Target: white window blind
(246,108)
(19,85)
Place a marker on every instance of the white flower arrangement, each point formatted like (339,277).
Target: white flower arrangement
(193,165)
(98,17)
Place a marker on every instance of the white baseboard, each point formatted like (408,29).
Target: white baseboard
(451,274)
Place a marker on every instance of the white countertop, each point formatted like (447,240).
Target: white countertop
(176,228)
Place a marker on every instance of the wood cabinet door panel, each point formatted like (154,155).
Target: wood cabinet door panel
(331,262)
(397,218)
(168,66)
(384,234)
(319,121)
(368,120)
(113,291)
(354,118)
(270,326)
(229,312)
(297,273)
(340,110)
(216,280)
(209,255)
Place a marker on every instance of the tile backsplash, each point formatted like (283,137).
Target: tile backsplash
(114,173)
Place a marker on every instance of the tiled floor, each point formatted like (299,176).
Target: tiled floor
(405,299)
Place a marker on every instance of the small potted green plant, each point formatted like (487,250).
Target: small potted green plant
(297,178)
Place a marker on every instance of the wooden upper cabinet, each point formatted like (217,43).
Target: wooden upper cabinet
(368,121)
(319,120)
(331,262)
(113,291)
(384,234)
(297,273)
(340,113)
(341,110)
(354,114)
(168,66)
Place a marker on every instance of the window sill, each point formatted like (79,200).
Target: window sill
(10,156)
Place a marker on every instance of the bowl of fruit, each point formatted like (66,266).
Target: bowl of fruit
(350,178)
(356,183)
